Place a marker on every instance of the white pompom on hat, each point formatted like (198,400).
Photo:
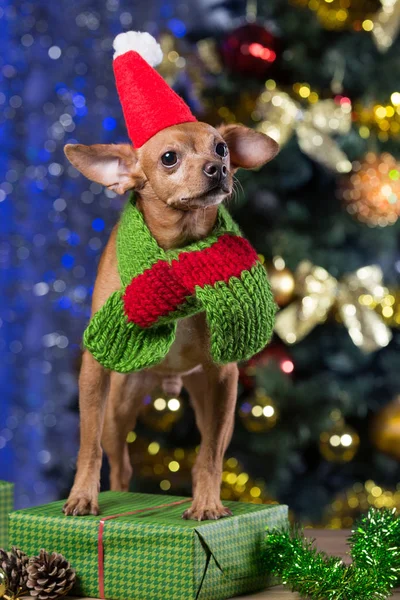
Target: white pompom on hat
(148,103)
(141,42)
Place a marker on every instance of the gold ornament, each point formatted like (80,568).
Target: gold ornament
(282,281)
(385,430)
(318,292)
(3,583)
(280,117)
(340,443)
(343,14)
(160,411)
(258,414)
(372,192)
(386,24)
(348,506)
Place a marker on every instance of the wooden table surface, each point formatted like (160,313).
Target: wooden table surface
(332,541)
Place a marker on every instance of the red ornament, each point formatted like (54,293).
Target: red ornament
(274,353)
(249,50)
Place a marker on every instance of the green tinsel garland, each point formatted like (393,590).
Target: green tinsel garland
(374,572)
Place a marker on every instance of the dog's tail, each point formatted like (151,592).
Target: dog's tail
(172,385)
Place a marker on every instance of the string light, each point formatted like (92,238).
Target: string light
(343,14)
(348,506)
(287,366)
(174,404)
(154,448)
(172,469)
(380,119)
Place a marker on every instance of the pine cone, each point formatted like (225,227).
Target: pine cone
(49,576)
(14,565)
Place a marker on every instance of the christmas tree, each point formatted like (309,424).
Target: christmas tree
(317,416)
(317,408)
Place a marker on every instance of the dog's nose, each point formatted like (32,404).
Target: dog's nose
(215,170)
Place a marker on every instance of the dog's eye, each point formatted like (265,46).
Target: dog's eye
(169,159)
(221,149)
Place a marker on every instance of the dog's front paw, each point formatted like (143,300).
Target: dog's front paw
(206,512)
(80,504)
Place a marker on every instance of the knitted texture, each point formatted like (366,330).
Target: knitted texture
(219,275)
(148,103)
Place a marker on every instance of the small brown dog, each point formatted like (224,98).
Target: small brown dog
(178,207)
(181,170)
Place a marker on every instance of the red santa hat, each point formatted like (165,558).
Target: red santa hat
(148,103)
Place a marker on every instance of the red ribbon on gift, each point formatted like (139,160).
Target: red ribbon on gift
(100,544)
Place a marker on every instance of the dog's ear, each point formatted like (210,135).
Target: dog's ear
(248,148)
(113,165)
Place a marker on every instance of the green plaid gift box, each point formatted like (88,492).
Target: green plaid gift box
(6,506)
(154,554)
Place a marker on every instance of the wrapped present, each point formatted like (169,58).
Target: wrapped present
(140,547)
(6,506)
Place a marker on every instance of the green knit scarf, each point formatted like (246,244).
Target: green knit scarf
(219,275)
